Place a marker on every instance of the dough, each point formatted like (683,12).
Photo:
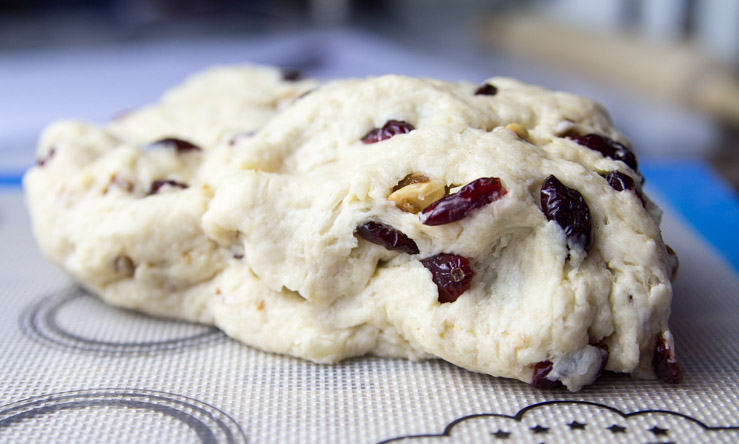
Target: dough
(500,227)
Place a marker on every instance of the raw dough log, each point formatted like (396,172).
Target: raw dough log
(499,227)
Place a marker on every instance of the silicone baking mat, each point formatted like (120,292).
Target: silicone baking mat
(76,370)
(73,369)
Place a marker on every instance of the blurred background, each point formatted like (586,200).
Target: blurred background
(665,69)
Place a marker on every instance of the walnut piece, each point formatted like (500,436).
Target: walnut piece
(416,192)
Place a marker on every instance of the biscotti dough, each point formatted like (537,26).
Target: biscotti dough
(500,227)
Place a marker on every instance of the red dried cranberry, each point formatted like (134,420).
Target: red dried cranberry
(664,363)
(179,145)
(388,130)
(292,75)
(451,273)
(486,90)
(568,208)
(387,236)
(43,160)
(620,181)
(454,207)
(159,183)
(607,147)
(540,380)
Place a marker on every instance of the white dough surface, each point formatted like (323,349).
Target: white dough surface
(257,236)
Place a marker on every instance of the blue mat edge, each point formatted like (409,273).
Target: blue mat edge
(702,198)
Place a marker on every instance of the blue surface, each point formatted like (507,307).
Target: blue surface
(690,188)
(708,203)
(10,179)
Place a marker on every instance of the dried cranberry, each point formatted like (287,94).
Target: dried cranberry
(388,130)
(486,90)
(387,236)
(664,363)
(292,75)
(568,208)
(181,146)
(43,160)
(607,147)
(158,184)
(540,380)
(451,273)
(451,208)
(620,181)
(410,180)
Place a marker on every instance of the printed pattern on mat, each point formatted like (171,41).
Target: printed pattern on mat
(581,421)
(74,319)
(107,415)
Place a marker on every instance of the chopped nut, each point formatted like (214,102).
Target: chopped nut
(519,129)
(410,179)
(118,182)
(416,192)
(124,265)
